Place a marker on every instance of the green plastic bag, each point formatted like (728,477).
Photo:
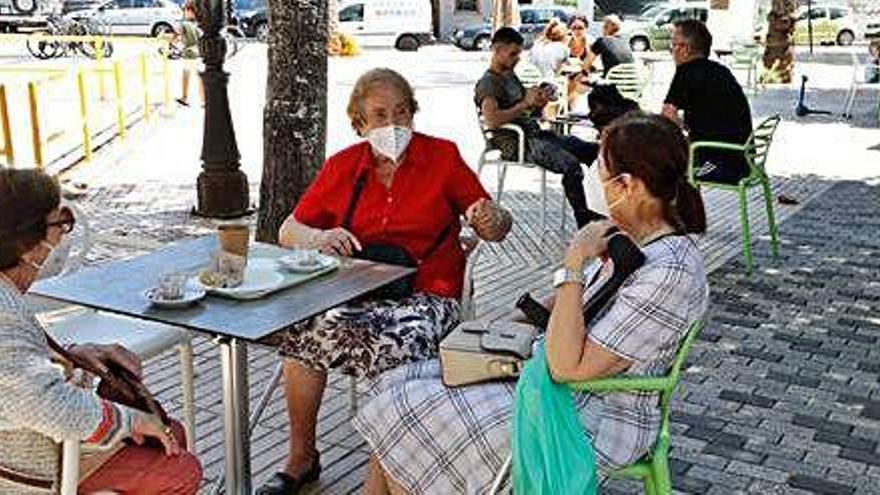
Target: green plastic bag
(552,453)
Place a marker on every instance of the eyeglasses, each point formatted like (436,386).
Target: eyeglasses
(577,28)
(66,222)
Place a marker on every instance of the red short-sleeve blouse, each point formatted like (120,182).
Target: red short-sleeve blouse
(431,189)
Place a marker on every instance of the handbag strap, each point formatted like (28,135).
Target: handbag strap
(127,380)
(358,190)
(19,478)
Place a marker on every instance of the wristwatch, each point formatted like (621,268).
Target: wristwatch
(564,276)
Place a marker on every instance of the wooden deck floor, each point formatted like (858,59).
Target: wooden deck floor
(523,262)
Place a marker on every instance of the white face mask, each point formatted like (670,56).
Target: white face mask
(603,206)
(54,263)
(390,141)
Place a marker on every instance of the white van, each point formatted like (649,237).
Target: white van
(403,24)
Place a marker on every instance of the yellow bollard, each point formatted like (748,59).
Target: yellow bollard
(145,80)
(7,133)
(84,114)
(120,107)
(166,75)
(99,61)
(35,123)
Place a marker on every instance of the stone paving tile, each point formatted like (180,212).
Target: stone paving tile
(811,443)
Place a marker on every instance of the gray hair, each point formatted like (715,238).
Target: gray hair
(614,20)
(370,80)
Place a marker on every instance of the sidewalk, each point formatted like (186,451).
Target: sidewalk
(782,384)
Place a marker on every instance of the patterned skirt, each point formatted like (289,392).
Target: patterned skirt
(371,336)
(432,439)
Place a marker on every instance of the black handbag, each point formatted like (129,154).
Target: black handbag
(390,253)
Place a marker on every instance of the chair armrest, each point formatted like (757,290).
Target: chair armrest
(718,145)
(640,384)
(521,140)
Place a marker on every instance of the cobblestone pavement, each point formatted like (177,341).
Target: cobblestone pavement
(781,393)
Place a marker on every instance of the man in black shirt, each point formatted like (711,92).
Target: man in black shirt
(610,48)
(502,99)
(715,107)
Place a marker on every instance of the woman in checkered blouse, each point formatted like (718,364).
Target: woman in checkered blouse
(427,438)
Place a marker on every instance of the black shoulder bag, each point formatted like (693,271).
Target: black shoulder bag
(389,253)
(627,258)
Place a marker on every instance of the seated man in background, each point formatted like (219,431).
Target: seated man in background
(502,99)
(610,48)
(715,107)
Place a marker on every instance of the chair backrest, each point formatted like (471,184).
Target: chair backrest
(528,74)
(630,79)
(758,145)
(675,369)
(661,446)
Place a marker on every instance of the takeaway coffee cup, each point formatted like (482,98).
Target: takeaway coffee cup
(234,238)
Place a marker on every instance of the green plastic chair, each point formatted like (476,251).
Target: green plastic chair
(630,80)
(755,151)
(745,57)
(653,468)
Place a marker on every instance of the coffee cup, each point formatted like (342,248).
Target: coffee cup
(234,238)
(172,286)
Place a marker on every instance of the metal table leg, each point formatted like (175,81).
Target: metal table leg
(233,356)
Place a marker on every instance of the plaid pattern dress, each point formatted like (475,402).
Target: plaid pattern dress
(433,439)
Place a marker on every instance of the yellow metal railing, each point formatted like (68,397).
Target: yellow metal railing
(6,149)
(145,65)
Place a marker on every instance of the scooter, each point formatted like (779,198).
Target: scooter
(801,109)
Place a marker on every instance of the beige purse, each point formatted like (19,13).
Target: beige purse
(481,351)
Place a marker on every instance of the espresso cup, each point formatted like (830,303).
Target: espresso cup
(234,238)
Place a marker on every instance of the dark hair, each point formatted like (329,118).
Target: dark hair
(654,149)
(27,196)
(576,18)
(698,37)
(507,36)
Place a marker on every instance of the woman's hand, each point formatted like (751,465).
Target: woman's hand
(489,219)
(102,355)
(146,426)
(337,241)
(589,242)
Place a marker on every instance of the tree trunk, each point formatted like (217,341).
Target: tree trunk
(505,13)
(295,116)
(333,16)
(779,48)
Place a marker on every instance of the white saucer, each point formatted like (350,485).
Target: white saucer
(192,294)
(297,262)
(260,277)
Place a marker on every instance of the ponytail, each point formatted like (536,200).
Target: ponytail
(689,211)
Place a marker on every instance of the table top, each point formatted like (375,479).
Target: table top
(119,287)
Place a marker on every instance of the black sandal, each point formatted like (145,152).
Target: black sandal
(284,484)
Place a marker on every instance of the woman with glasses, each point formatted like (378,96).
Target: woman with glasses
(400,191)
(40,406)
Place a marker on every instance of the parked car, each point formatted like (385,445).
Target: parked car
(403,24)
(653,29)
(831,24)
(77,5)
(534,20)
(251,16)
(142,17)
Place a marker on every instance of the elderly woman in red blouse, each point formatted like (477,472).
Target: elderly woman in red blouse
(413,190)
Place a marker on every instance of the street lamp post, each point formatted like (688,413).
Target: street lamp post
(222,186)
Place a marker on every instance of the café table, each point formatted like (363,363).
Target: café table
(119,287)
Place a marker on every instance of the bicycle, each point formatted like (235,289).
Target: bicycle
(57,25)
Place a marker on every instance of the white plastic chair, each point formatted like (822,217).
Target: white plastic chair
(70,324)
(492,156)
(859,81)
